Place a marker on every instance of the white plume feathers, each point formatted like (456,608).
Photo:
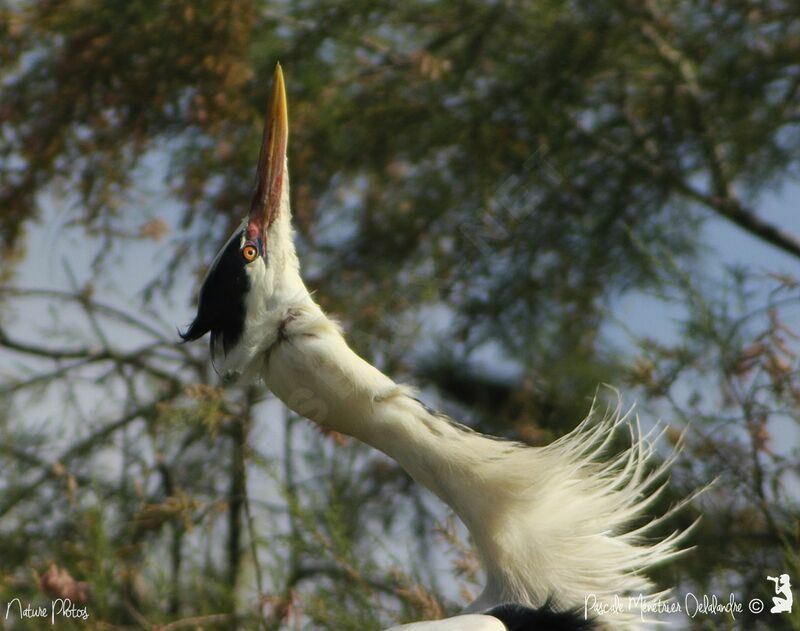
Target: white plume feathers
(550,523)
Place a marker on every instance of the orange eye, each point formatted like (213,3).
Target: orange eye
(249,253)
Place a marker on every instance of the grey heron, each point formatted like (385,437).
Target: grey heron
(551,524)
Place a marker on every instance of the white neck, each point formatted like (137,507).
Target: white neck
(548,523)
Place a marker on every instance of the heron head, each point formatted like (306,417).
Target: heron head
(257,267)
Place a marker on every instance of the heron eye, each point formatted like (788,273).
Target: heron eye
(249,252)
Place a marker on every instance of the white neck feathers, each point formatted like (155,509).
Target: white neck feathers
(549,523)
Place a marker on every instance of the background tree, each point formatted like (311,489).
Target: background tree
(489,179)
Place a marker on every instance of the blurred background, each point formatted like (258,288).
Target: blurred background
(506,203)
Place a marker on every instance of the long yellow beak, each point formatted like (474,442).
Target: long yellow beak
(265,204)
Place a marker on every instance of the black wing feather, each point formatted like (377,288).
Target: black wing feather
(545,618)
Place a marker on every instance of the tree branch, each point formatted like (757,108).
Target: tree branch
(723,201)
(730,208)
(80,448)
(727,206)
